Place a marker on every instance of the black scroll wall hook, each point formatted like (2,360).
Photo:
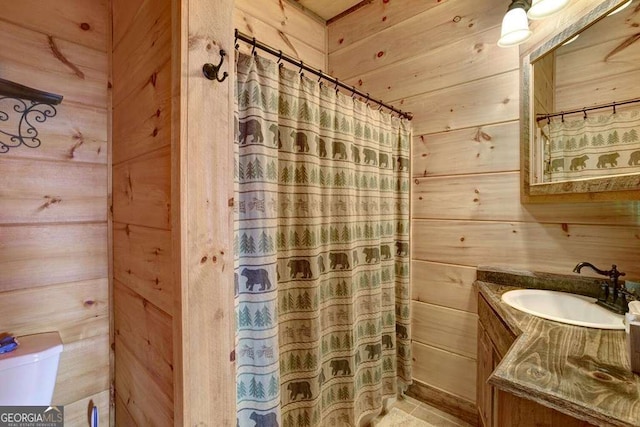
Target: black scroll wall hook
(211,71)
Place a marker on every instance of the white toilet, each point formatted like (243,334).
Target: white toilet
(29,372)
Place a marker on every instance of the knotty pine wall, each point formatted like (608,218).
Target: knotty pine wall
(284,26)
(53,199)
(439,59)
(143,282)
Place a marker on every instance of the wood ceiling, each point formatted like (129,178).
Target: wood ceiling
(328,9)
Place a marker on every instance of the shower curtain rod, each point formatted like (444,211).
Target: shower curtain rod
(542,116)
(334,80)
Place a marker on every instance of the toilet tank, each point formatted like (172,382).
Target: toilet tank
(28,373)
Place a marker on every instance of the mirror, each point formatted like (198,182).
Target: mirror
(580,113)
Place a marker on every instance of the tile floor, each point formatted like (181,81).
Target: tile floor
(428,413)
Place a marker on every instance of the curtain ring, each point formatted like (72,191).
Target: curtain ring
(353,92)
(280,64)
(367,102)
(235,42)
(584,110)
(253,49)
(319,74)
(336,86)
(614,108)
(562,116)
(548,119)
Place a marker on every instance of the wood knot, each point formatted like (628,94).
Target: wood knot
(341,40)
(203,259)
(457,19)
(384,18)
(380,54)
(85,27)
(49,201)
(89,303)
(602,376)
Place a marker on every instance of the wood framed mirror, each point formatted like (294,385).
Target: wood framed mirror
(580,109)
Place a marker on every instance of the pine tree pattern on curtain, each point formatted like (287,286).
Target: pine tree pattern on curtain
(322,252)
(605,143)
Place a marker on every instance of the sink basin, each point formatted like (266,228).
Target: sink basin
(563,307)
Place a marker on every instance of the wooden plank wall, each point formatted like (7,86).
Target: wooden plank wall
(439,59)
(607,56)
(284,26)
(143,283)
(53,199)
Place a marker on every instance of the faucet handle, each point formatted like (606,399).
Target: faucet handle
(614,273)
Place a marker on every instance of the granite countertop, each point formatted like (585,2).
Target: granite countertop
(579,371)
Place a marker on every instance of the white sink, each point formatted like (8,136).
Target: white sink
(563,307)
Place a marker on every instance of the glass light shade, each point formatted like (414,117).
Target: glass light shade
(619,9)
(515,28)
(543,8)
(571,40)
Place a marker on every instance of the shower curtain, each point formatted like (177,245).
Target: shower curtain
(322,252)
(604,143)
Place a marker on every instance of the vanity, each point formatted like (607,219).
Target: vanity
(537,372)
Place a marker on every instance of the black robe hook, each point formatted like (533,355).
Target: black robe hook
(211,71)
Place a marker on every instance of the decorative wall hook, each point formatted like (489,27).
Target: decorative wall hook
(211,71)
(29,105)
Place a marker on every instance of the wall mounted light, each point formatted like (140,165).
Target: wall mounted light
(515,25)
(542,8)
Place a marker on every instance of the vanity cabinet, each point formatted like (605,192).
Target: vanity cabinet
(497,408)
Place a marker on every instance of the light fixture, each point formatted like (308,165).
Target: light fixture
(619,8)
(571,40)
(515,26)
(542,8)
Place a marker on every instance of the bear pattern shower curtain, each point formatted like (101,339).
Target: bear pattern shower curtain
(322,252)
(604,143)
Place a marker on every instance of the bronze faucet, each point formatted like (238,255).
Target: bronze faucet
(615,294)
